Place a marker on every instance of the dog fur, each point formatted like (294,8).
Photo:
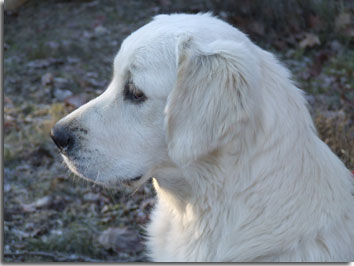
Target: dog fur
(238,168)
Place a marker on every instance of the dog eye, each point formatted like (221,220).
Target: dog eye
(133,94)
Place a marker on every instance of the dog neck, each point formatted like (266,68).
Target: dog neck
(242,185)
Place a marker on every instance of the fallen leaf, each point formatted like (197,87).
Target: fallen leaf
(320,59)
(338,115)
(107,219)
(29,226)
(257,28)
(72,60)
(47,79)
(349,32)
(336,46)
(13,4)
(120,239)
(342,20)
(53,45)
(56,232)
(91,197)
(40,203)
(310,40)
(100,30)
(280,44)
(9,125)
(165,2)
(315,22)
(76,100)
(59,81)
(43,63)
(87,35)
(310,99)
(20,234)
(28,207)
(7,188)
(92,74)
(61,95)
(8,102)
(105,209)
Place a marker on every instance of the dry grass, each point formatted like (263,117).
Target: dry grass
(337,131)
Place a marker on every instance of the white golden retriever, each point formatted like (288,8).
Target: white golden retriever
(238,168)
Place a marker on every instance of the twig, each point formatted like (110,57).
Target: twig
(60,257)
(55,257)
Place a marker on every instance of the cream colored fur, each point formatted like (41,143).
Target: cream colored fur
(238,168)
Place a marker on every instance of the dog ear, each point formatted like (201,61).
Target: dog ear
(210,98)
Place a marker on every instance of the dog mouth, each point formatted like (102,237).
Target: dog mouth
(132,181)
(75,164)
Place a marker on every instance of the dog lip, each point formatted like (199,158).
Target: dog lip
(136,178)
(130,181)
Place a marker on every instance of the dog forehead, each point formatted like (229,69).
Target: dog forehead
(148,56)
(149,53)
(145,46)
(157,38)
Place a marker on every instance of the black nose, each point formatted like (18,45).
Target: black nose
(62,137)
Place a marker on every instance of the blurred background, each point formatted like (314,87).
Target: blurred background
(58,54)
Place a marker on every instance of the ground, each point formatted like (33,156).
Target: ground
(59,54)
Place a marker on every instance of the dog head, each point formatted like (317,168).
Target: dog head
(183,86)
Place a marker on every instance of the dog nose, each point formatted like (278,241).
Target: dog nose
(62,137)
